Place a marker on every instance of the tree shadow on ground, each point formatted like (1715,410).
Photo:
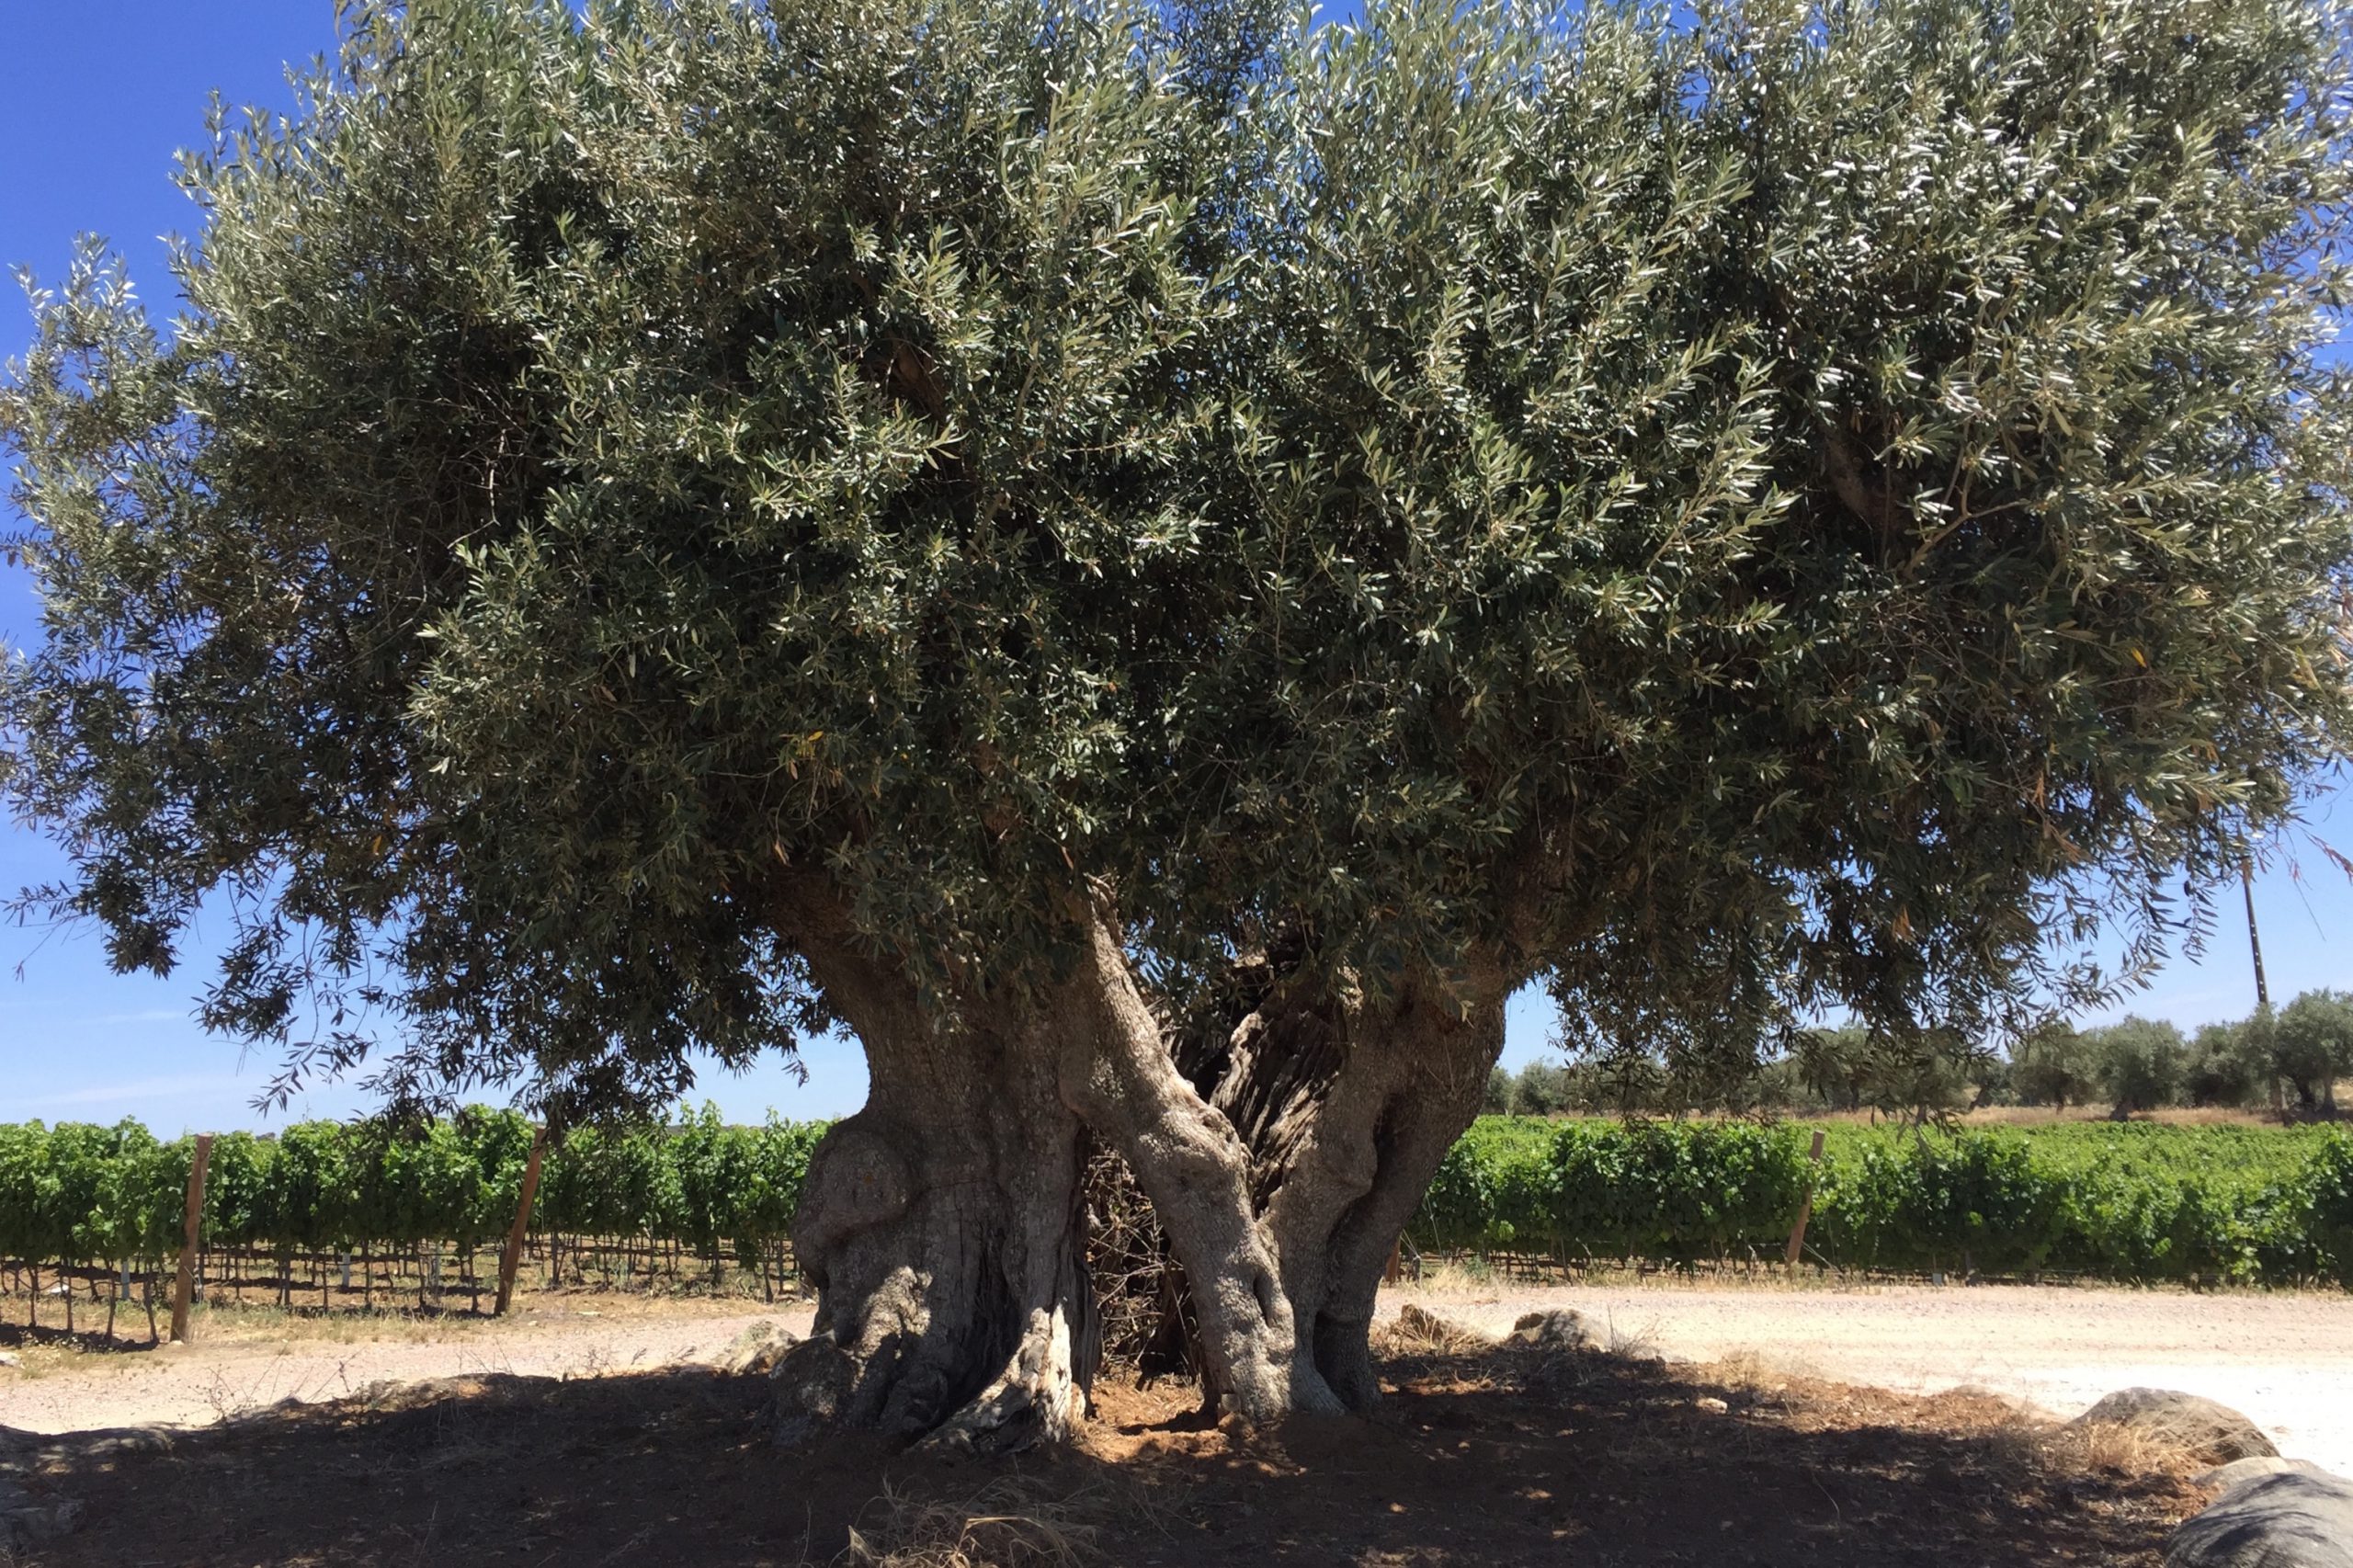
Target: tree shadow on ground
(1487,1457)
(81,1338)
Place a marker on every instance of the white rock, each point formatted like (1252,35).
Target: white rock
(756,1350)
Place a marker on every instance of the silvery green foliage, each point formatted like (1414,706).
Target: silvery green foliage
(1832,505)
(2042,287)
(1791,508)
(606,459)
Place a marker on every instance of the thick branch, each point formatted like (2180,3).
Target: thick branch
(1119,1075)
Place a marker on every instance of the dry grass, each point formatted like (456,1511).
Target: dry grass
(1005,1525)
(1417,1331)
(2171,1115)
(1454,1277)
(2104,1449)
(1753,1376)
(230,1322)
(35,1359)
(1476,1278)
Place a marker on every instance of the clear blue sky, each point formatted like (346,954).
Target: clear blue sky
(95,97)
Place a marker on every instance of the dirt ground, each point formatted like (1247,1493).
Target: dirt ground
(561,1438)
(244,1361)
(1484,1458)
(2285,1358)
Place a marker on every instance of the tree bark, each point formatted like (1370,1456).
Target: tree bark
(1347,1109)
(944,1224)
(943,1227)
(1119,1074)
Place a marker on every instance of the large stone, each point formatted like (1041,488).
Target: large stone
(756,1350)
(2295,1519)
(2226,1479)
(2189,1422)
(1417,1328)
(810,1384)
(1560,1329)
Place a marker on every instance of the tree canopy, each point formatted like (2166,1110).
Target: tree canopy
(658,521)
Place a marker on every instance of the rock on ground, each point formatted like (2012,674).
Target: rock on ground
(2292,1518)
(2226,1478)
(2211,1431)
(756,1350)
(26,1520)
(1559,1329)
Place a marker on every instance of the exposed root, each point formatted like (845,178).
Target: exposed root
(1035,1399)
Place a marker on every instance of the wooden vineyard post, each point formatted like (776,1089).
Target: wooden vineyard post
(184,1288)
(512,1256)
(1805,1208)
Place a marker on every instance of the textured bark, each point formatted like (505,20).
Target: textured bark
(1347,1110)
(944,1224)
(1118,1075)
(944,1227)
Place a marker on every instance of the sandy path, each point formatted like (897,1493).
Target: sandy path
(204,1383)
(2285,1360)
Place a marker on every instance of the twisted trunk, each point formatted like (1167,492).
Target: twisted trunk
(1118,1075)
(1348,1111)
(943,1226)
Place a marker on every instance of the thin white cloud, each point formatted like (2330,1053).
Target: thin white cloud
(150,1015)
(139,1088)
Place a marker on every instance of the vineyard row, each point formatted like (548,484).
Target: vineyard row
(100,1209)
(2149,1203)
(98,1202)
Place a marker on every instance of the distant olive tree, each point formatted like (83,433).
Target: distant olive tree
(2229,1064)
(2054,1067)
(2311,1045)
(2139,1062)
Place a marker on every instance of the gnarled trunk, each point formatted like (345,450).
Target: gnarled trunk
(1118,1075)
(944,1223)
(1348,1111)
(944,1227)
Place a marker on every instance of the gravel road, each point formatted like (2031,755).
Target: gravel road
(200,1384)
(2286,1360)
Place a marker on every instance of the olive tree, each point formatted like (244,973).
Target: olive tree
(2228,1065)
(2311,1046)
(625,553)
(1839,507)
(1156,569)
(2055,1065)
(2141,1063)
